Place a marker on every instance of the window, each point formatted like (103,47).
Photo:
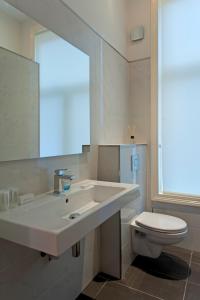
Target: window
(178,129)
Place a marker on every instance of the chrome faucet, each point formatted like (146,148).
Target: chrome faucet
(59,177)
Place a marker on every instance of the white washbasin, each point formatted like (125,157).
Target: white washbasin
(89,197)
(53,223)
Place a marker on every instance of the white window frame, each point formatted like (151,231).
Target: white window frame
(155,195)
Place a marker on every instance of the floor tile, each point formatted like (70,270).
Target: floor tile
(182,253)
(156,286)
(192,292)
(167,266)
(114,291)
(107,277)
(196,257)
(162,278)
(94,287)
(195,273)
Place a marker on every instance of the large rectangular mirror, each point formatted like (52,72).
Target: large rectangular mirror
(44,90)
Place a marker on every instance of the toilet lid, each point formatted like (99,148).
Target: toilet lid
(161,222)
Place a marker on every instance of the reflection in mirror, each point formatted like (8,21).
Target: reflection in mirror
(19,107)
(57,122)
(64,95)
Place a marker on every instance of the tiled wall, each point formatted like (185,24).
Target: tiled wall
(23,273)
(36,175)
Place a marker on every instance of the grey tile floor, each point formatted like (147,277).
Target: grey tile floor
(175,275)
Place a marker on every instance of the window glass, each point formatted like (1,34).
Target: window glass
(179,96)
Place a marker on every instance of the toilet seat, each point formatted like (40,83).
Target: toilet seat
(159,234)
(160,223)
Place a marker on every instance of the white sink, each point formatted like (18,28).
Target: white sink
(53,223)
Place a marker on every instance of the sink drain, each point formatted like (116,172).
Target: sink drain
(74,216)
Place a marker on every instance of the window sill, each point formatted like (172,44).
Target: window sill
(186,201)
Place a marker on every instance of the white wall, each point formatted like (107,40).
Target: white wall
(140,99)
(9,32)
(119,18)
(115,115)
(28,30)
(139,13)
(18,35)
(107,17)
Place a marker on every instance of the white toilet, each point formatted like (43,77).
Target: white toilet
(152,231)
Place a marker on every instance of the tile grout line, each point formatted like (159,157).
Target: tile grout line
(101,288)
(190,261)
(194,283)
(145,293)
(131,288)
